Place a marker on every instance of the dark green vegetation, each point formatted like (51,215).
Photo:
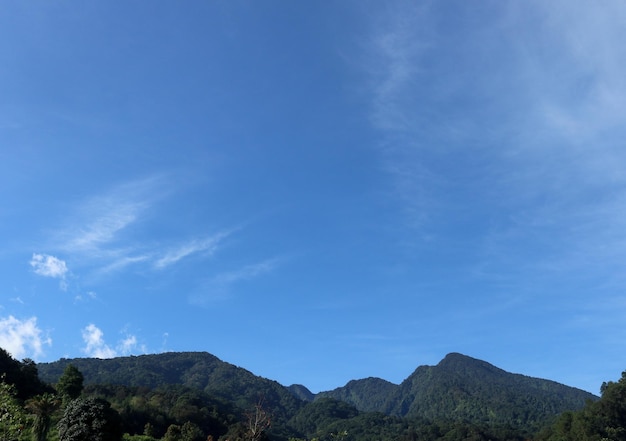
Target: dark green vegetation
(601,420)
(461,388)
(197,397)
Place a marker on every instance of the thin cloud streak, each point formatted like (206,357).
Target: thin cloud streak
(395,65)
(97,232)
(246,273)
(103,230)
(121,263)
(220,286)
(589,41)
(207,246)
(101,219)
(538,157)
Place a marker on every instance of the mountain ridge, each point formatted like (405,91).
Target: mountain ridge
(458,388)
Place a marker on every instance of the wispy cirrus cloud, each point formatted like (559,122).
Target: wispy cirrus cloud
(120,261)
(221,285)
(22,338)
(530,103)
(394,63)
(589,94)
(205,246)
(98,233)
(112,233)
(108,220)
(247,272)
(105,230)
(97,225)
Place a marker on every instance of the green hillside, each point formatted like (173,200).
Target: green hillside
(459,398)
(196,370)
(368,395)
(462,388)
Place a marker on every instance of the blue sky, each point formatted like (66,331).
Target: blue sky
(316,191)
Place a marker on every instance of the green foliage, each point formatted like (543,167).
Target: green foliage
(151,411)
(173,433)
(89,419)
(196,370)
(42,408)
(70,384)
(12,417)
(23,375)
(187,432)
(315,417)
(301,392)
(367,395)
(127,437)
(600,420)
(461,388)
(157,396)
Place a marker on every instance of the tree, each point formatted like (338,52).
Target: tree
(148,430)
(12,418)
(600,420)
(610,411)
(257,421)
(42,407)
(70,384)
(23,375)
(89,419)
(191,432)
(173,433)
(30,384)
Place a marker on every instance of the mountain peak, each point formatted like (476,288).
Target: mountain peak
(457,362)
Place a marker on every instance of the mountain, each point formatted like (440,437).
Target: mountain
(367,395)
(301,392)
(458,389)
(196,370)
(461,388)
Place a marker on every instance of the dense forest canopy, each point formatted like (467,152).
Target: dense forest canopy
(197,397)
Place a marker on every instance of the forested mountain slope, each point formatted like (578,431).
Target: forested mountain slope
(368,395)
(196,370)
(465,389)
(459,388)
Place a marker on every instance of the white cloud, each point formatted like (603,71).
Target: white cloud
(95,345)
(208,246)
(22,338)
(127,344)
(89,295)
(50,266)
